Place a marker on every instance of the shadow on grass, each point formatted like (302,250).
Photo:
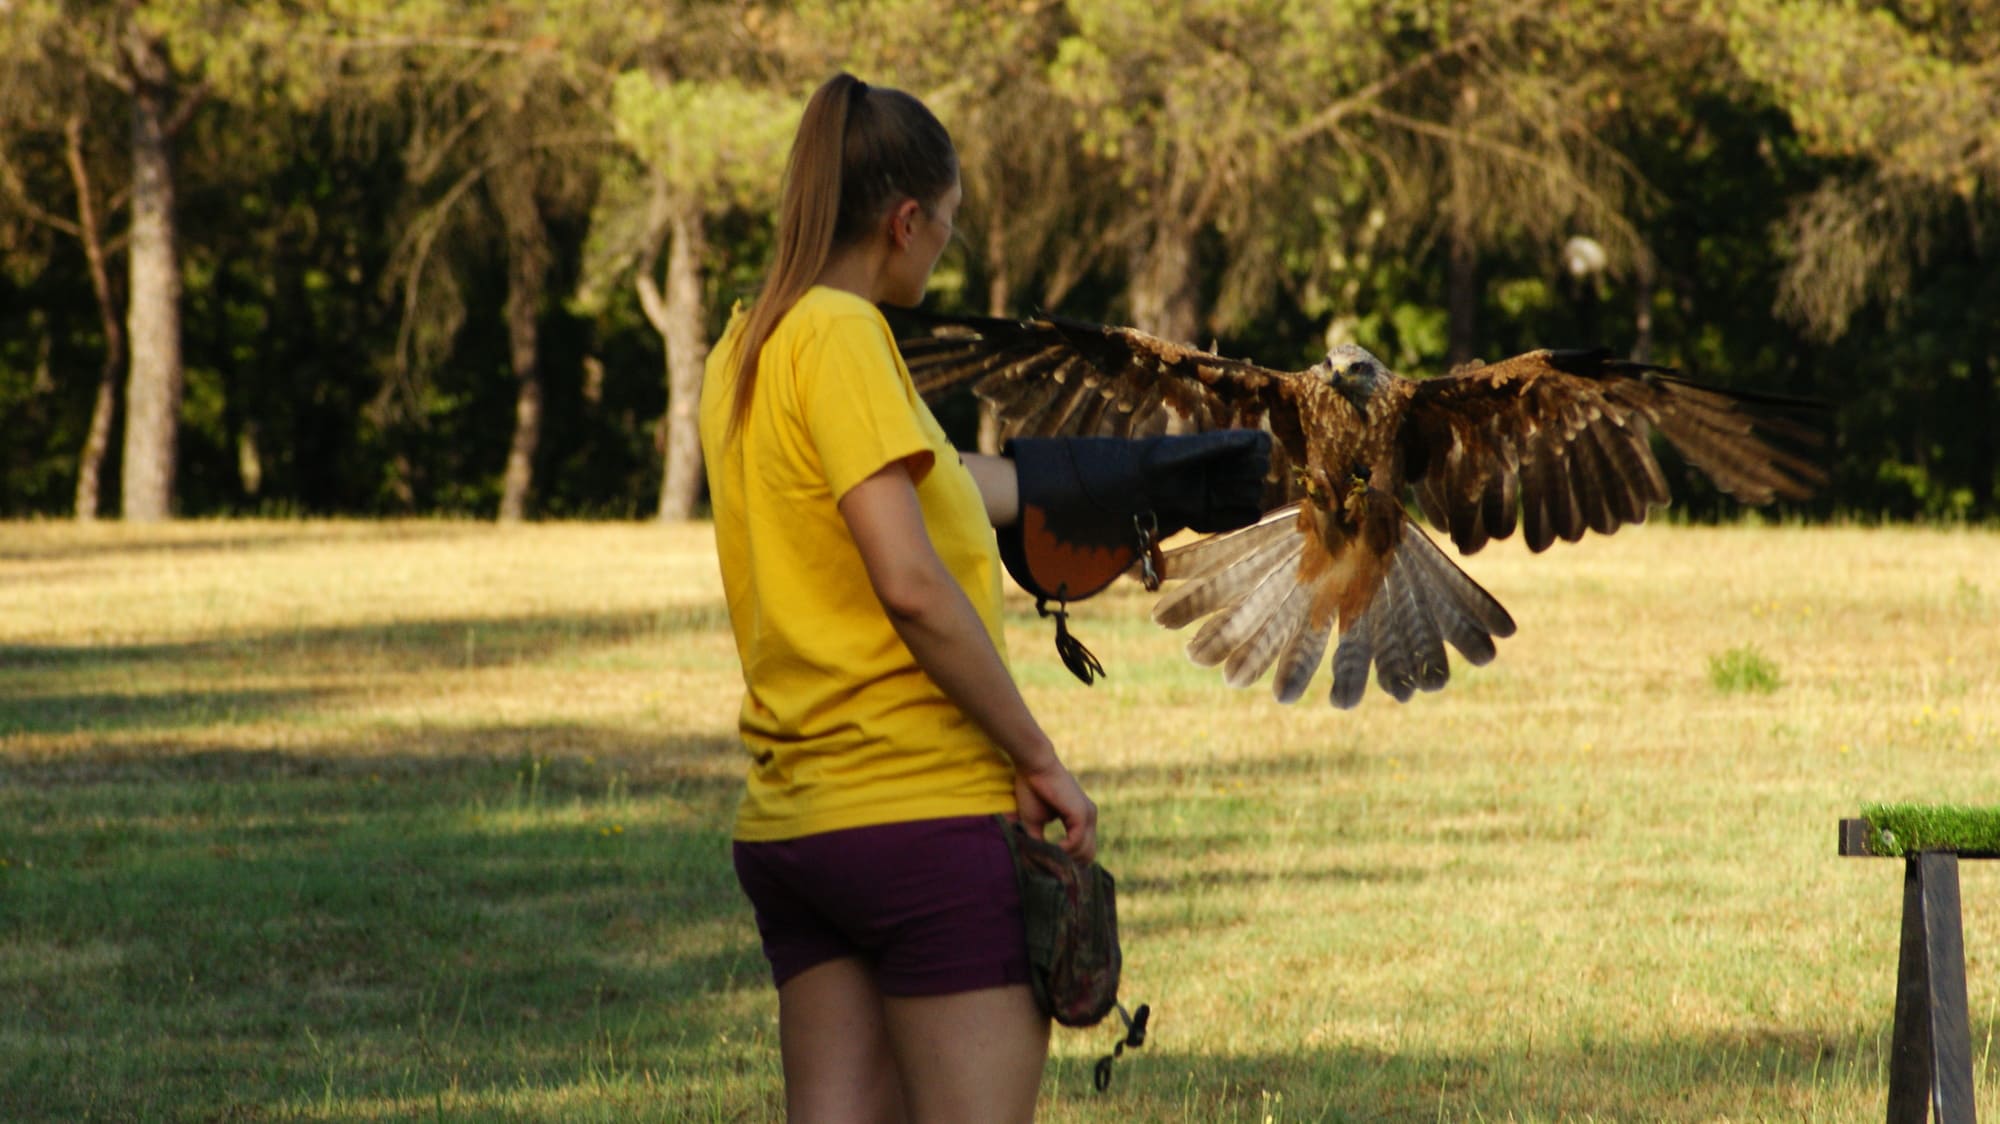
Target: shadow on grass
(1207,879)
(413,767)
(59,688)
(252,537)
(422,643)
(186,935)
(1304,764)
(1755,1074)
(304,934)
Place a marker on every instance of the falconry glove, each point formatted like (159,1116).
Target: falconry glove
(1091,507)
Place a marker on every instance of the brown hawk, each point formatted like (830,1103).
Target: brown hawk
(1555,443)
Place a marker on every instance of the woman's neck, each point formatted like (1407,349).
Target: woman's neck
(855,270)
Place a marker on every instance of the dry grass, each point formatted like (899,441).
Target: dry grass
(453,800)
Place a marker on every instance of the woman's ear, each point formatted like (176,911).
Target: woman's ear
(903,223)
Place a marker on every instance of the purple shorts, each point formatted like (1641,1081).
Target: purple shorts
(931,906)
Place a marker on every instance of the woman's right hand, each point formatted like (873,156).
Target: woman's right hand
(1050,792)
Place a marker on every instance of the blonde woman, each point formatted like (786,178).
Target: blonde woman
(883,726)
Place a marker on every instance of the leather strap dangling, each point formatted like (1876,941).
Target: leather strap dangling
(1075,656)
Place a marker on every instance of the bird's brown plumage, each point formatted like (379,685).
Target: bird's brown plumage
(1554,443)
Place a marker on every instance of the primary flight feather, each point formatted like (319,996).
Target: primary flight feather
(1552,443)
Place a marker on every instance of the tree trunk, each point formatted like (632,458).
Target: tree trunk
(527,280)
(1985,445)
(1646,286)
(999,295)
(153,390)
(520,479)
(1461,299)
(97,441)
(1461,281)
(1165,300)
(687,355)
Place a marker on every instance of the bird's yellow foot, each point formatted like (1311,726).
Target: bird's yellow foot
(1315,484)
(1355,499)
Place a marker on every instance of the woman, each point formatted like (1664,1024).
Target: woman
(883,726)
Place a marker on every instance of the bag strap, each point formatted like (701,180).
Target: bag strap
(1135,1037)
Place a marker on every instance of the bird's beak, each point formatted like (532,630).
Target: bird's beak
(1348,385)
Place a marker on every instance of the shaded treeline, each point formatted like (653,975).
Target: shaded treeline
(380,258)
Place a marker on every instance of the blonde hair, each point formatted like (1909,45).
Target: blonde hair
(859,150)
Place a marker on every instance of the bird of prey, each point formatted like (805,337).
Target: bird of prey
(1553,443)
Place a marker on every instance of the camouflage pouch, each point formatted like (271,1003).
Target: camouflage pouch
(1071,914)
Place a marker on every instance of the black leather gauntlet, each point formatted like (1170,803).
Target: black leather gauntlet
(1091,507)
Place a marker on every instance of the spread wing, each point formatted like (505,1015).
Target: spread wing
(1049,376)
(1556,442)
(1560,441)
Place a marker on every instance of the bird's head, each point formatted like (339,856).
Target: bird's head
(1356,374)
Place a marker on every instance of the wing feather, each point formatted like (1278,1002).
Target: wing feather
(1045,376)
(1560,442)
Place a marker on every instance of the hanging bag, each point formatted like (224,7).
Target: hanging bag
(1071,914)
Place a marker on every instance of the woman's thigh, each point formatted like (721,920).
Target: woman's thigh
(972,1056)
(833,1036)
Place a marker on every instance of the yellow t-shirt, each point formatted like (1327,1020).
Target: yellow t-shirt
(843,728)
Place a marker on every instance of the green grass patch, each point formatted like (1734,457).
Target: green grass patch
(1903,829)
(1743,669)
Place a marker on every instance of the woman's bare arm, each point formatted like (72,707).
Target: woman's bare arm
(945,634)
(997,486)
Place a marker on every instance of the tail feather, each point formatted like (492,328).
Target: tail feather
(1234,624)
(1425,601)
(1351,661)
(1464,610)
(1300,660)
(1269,605)
(1393,621)
(1421,631)
(1200,559)
(1253,657)
(1230,581)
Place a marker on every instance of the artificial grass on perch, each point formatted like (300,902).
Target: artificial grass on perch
(1904,829)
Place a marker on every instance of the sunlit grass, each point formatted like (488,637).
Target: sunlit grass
(429,821)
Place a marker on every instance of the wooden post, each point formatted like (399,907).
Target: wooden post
(1930,1055)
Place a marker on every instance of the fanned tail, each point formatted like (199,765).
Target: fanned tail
(1273,592)
(1425,602)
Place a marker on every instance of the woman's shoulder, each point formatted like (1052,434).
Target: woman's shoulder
(824,307)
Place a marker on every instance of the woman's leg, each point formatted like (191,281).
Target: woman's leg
(836,1050)
(975,1056)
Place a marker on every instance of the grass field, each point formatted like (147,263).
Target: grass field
(428,821)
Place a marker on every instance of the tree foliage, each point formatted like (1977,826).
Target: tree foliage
(467,258)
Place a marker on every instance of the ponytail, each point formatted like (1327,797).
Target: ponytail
(858,151)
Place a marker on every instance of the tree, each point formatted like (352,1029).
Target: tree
(165,62)
(502,123)
(49,96)
(1900,97)
(1495,144)
(1231,127)
(702,147)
